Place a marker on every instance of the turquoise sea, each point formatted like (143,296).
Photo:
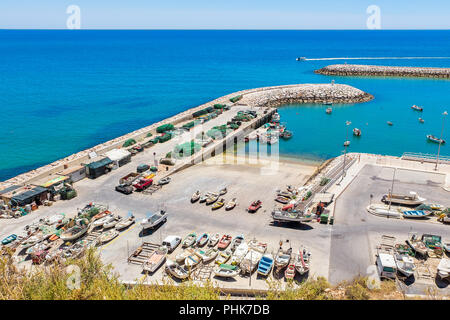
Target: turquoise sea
(64,91)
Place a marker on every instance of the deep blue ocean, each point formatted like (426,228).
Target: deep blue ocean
(64,91)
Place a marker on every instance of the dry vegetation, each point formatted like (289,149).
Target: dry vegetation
(98,282)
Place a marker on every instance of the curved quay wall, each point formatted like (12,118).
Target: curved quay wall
(258,97)
(384,71)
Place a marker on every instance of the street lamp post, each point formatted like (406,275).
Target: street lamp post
(391,190)
(440,142)
(347,123)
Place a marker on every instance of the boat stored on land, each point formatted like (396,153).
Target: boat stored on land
(213,240)
(416,214)
(239,254)
(75,232)
(231,205)
(418,247)
(383,211)
(236,242)
(255,205)
(224,242)
(304,261)
(107,236)
(223,256)
(179,258)
(409,200)
(155,260)
(189,240)
(290,216)
(192,260)
(212,198)
(443,269)
(405,264)
(265,264)
(176,270)
(208,254)
(153,219)
(282,259)
(219,204)
(226,271)
(202,240)
(125,222)
(195,196)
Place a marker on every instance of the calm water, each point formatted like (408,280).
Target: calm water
(64,91)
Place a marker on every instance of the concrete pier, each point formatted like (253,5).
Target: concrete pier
(384,71)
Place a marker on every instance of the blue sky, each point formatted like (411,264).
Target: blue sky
(225,14)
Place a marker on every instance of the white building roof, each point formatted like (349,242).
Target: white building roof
(117,154)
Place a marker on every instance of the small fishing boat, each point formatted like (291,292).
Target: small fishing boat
(239,254)
(356,132)
(9,239)
(155,260)
(112,223)
(179,258)
(108,236)
(226,271)
(189,240)
(304,260)
(421,120)
(346,143)
(223,191)
(254,206)
(301,59)
(435,139)
(289,273)
(195,196)
(405,264)
(153,219)
(410,200)
(219,204)
(231,204)
(251,260)
(208,255)
(276,116)
(100,222)
(224,242)
(258,246)
(417,108)
(285,135)
(329,110)
(443,269)
(416,214)
(265,264)
(435,206)
(204,197)
(74,232)
(223,256)
(446,247)
(282,259)
(390,123)
(283,200)
(236,242)
(164,181)
(125,222)
(176,270)
(192,261)
(213,240)
(212,198)
(418,247)
(383,211)
(202,240)
(31,241)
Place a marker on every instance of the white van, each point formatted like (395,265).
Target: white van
(171,242)
(386,266)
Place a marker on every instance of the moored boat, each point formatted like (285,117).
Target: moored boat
(417,108)
(357,132)
(421,120)
(435,139)
(390,123)
(329,110)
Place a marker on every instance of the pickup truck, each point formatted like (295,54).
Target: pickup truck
(142,184)
(129,178)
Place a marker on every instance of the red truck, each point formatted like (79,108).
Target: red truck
(142,184)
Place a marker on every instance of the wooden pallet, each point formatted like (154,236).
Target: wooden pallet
(203,272)
(423,272)
(142,253)
(152,189)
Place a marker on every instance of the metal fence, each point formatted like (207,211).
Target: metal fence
(425,157)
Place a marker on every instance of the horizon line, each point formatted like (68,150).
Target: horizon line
(217,29)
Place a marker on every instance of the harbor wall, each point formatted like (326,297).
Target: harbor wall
(258,97)
(384,71)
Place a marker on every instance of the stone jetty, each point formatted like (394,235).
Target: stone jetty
(383,71)
(258,97)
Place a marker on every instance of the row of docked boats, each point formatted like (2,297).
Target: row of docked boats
(214,199)
(270,132)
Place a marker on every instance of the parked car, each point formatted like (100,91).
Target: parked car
(171,242)
(142,168)
(143,183)
(124,188)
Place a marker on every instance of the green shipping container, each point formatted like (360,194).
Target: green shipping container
(164,128)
